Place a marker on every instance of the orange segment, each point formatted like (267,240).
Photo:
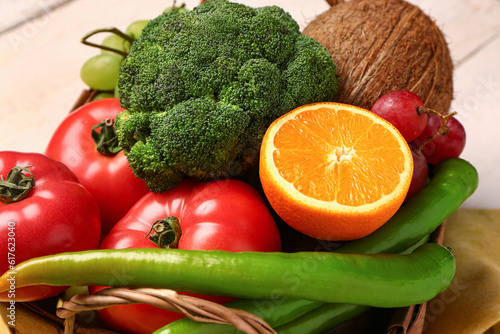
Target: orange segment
(334,171)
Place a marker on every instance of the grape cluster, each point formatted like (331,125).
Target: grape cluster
(431,135)
(100,72)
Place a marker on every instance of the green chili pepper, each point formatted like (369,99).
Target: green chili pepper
(302,316)
(452,182)
(321,319)
(277,312)
(327,316)
(388,280)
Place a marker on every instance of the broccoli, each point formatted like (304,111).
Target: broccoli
(200,88)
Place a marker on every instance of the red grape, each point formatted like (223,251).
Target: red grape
(420,174)
(447,144)
(400,108)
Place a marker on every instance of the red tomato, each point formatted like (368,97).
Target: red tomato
(57,215)
(108,178)
(227,215)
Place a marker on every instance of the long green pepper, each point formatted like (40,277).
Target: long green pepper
(388,280)
(276,313)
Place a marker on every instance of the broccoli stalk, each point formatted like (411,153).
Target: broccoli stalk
(201,87)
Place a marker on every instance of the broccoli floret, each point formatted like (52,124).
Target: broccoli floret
(200,89)
(189,136)
(134,127)
(308,69)
(151,167)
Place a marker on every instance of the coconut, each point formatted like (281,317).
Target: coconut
(385,45)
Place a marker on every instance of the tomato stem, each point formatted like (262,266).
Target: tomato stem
(106,139)
(17,185)
(166,232)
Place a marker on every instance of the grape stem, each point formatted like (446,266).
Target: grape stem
(443,129)
(113,30)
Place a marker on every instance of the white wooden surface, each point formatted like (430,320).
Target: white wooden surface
(40,59)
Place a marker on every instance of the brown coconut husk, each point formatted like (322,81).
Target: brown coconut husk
(385,45)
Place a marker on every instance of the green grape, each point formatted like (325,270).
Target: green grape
(101,72)
(115,42)
(115,92)
(103,95)
(135,28)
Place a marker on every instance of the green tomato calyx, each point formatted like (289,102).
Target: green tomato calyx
(17,185)
(106,139)
(166,232)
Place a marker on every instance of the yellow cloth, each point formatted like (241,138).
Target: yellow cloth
(471,305)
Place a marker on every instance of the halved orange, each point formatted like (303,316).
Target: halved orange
(334,171)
